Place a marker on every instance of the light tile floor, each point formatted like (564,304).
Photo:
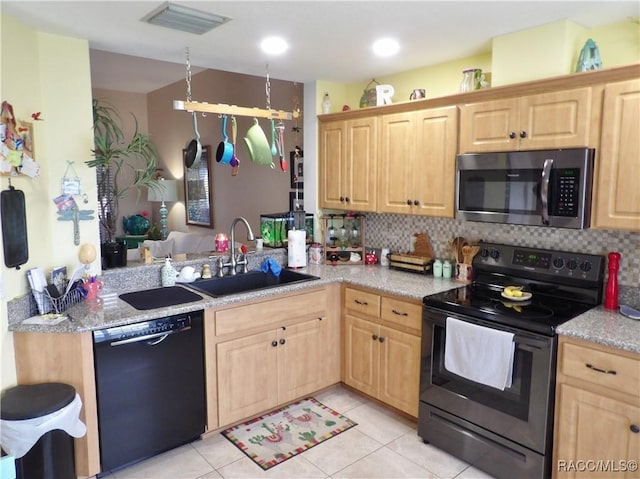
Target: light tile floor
(383,445)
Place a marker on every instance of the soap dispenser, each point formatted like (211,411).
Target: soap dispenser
(168,273)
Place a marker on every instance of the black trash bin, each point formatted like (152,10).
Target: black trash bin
(52,456)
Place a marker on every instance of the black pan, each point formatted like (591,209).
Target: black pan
(194,149)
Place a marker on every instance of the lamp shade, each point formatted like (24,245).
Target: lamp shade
(167,191)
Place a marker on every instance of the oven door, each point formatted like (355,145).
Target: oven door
(522,413)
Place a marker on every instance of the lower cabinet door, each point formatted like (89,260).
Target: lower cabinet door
(596,432)
(399,370)
(300,355)
(247,376)
(362,354)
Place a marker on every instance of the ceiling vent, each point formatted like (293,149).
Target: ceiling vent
(189,20)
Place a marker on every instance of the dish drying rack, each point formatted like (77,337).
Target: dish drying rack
(42,300)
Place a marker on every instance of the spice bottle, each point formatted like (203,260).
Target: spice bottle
(611,291)
(446,269)
(437,269)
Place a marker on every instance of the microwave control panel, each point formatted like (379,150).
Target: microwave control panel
(565,191)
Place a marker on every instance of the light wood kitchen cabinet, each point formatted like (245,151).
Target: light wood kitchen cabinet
(382,348)
(271,352)
(597,409)
(348,164)
(617,196)
(66,358)
(417,162)
(559,119)
(261,371)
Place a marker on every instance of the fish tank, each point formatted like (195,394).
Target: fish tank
(275,226)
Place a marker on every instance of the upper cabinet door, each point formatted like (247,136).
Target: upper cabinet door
(348,164)
(360,190)
(617,202)
(489,126)
(545,121)
(331,172)
(396,163)
(435,161)
(555,120)
(417,162)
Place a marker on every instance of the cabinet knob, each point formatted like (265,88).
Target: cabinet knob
(416,203)
(347,199)
(381,339)
(512,135)
(634,428)
(374,337)
(342,199)
(523,134)
(409,202)
(274,343)
(282,341)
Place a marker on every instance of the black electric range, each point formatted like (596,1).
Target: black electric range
(562,285)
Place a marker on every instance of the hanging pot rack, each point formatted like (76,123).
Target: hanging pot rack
(224,109)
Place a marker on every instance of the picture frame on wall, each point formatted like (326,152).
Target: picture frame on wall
(296,205)
(198,190)
(296,164)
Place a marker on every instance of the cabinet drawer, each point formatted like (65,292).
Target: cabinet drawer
(366,303)
(270,314)
(401,312)
(602,368)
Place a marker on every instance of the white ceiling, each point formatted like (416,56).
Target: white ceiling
(330,40)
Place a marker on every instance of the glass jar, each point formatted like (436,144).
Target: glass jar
(471,80)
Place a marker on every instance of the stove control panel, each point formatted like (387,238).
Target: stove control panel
(511,259)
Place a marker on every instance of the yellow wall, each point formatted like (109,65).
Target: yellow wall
(545,51)
(50,74)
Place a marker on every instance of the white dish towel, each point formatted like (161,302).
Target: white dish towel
(480,354)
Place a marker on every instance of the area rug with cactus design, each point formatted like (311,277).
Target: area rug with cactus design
(286,432)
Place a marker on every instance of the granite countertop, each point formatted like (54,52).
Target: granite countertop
(599,325)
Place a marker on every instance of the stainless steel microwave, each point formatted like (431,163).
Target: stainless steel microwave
(540,188)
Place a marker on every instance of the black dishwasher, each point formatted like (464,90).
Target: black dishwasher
(150,387)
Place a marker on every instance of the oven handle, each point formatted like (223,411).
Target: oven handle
(524,340)
(544,190)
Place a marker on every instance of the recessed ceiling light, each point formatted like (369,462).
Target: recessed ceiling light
(385,47)
(274,45)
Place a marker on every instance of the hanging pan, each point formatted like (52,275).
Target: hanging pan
(194,150)
(224,152)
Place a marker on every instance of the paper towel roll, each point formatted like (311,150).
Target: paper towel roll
(297,245)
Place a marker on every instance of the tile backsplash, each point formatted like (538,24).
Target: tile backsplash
(395,231)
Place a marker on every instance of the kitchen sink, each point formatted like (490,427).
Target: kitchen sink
(251,281)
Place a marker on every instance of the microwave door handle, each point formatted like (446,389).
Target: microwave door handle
(544,190)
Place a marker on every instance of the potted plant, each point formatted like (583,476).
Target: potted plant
(120,168)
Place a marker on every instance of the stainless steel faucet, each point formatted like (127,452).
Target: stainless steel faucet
(235,261)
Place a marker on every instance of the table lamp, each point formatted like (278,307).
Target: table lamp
(166,191)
